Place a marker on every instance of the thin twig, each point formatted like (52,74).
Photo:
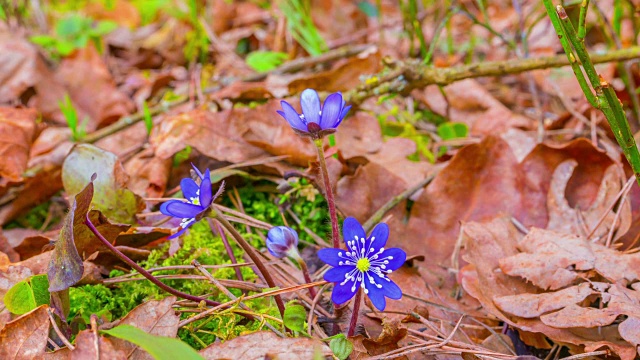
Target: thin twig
(58,332)
(313,306)
(377,216)
(228,293)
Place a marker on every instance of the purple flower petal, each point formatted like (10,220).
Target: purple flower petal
(277,250)
(189,188)
(337,274)
(184,228)
(344,112)
(375,294)
(310,102)
(342,293)
(379,236)
(331,111)
(391,290)
(197,171)
(330,256)
(292,117)
(398,258)
(351,229)
(206,196)
(179,209)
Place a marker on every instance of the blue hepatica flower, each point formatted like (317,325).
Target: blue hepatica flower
(282,241)
(364,264)
(315,121)
(198,196)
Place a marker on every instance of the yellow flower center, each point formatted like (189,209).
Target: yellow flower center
(363,264)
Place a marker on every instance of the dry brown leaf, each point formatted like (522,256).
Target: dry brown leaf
(574,316)
(26,336)
(552,260)
(109,106)
(345,76)
(564,218)
(534,305)
(629,330)
(546,257)
(265,345)
(392,333)
(92,346)
(154,317)
(17,128)
(488,243)
(359,135)
(471,103)
(234,135)
(486,179)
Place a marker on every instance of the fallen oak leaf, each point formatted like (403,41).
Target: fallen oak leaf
(155,318)
(265,345)
(17,128)
(546,258)
(534,305)
(26,336)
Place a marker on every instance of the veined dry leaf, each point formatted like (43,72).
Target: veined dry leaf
(26,336)
(488,243)
(84,74)
(553,260)
(17,127)
(343,77)
(266,345)
(485,180)
(471,103)
(564,218)
(154,317)
(534,305)
(66,267)
(392,333)
(92,346)
(234,135)
(112,197)
(546,257)
(359,135)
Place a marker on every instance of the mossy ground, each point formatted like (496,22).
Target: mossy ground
(115,301)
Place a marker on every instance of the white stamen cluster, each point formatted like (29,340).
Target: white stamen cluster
(361,248)
(196,199)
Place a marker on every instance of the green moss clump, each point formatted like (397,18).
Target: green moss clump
(117,300)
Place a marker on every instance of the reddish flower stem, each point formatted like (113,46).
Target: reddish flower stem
(252,254)
(328,194)
(213,224)
(307,277)
(354,315)
(142,271)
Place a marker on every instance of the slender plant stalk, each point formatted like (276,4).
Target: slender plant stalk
(335,232)
(305,272)
(354,315)
(214,225)
(582,27)
(252,254)
(605,98)
(142,271)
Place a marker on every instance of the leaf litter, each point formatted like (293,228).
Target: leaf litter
(523,224)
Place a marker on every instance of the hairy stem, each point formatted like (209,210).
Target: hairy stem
(305,272)
(252,254)
(354,315)
(335,232)
(142,271)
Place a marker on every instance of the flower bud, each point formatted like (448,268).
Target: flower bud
(282,241)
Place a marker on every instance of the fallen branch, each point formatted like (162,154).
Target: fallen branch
(410,75)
